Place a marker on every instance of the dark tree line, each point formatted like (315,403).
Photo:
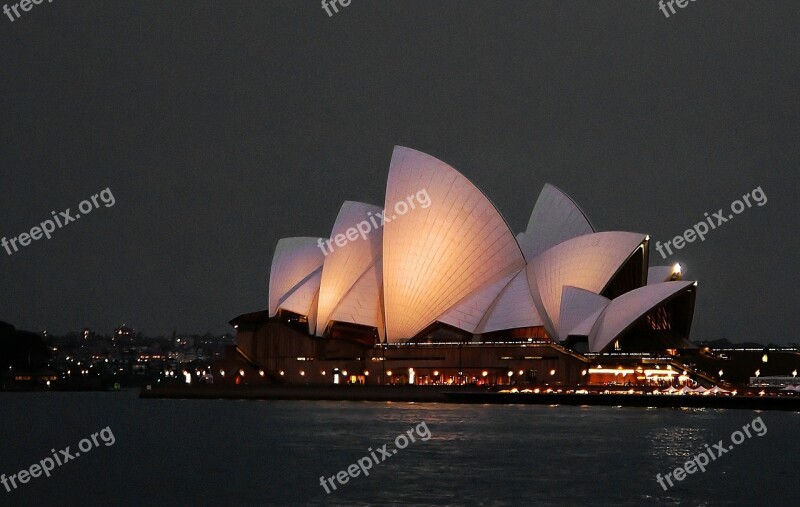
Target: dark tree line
(21,349)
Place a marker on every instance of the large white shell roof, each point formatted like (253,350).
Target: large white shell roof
(555,218)
(587,262)
(625,310)
(436,256)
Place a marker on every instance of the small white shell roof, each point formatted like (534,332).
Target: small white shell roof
(513,308)
(300,299)
(468,312)
(293,261)
(555,218)
(433,257)
(346,262)
(625,310)
(579,311)
(587,262)
(362,304)
(658,274)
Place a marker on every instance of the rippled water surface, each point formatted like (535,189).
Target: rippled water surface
(215,452)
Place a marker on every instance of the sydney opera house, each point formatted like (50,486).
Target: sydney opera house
(439,290)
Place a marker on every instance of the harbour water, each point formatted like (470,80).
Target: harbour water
(223,452)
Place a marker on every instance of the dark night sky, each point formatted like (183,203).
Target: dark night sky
(221,127)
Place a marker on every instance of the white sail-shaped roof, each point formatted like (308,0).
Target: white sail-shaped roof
(345,264)
(363,303)
(435,256)
(300,299)
(579,311)
(468,312)
(555,218)
(658,274)
(587,262)
(625,310)
(312,312)
(513,308)
(293,261)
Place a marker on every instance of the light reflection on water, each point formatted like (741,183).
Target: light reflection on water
(210,452)
(677,442)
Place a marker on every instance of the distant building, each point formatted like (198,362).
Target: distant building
(123,334)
